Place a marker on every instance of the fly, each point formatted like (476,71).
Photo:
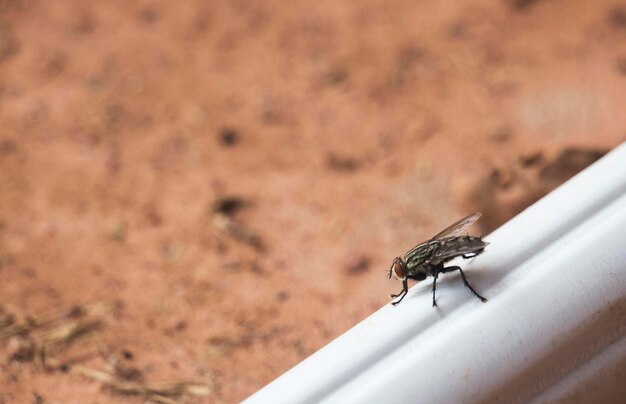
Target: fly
(428,258)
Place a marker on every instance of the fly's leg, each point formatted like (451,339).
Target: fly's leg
(465,282)
(405,290)
(401,295)
(435,276)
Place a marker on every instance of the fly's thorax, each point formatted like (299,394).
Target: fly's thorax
(421,253)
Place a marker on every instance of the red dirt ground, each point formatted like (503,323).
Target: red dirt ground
(343,132)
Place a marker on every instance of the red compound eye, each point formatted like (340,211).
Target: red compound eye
(398,270)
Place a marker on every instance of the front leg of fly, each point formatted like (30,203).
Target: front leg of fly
(403,292)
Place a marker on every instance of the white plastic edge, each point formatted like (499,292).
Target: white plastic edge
(554,327)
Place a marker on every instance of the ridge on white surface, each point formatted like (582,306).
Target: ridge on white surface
(553,329)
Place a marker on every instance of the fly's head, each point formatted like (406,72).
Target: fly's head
(398,269)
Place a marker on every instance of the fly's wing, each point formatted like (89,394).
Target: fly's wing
(459,227)
(452,247)
(421,252)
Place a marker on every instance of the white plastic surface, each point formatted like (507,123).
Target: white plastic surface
(554,327)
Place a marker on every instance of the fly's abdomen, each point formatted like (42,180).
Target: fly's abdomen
(469,243)
(466,246)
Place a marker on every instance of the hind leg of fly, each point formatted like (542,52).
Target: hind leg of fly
(435,276)
(465,282)
(403,292)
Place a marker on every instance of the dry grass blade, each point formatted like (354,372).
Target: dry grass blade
(73,323)
(131,388)
(160,392)
(33,323)
(28,343)
(172,389)
(237,230)
(65,333)
(28,325)
(94,374)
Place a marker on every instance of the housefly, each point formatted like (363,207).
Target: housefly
(428,258)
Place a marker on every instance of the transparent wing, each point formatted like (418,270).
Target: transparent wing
(459,227)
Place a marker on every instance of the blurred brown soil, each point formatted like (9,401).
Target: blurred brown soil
(235,176)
